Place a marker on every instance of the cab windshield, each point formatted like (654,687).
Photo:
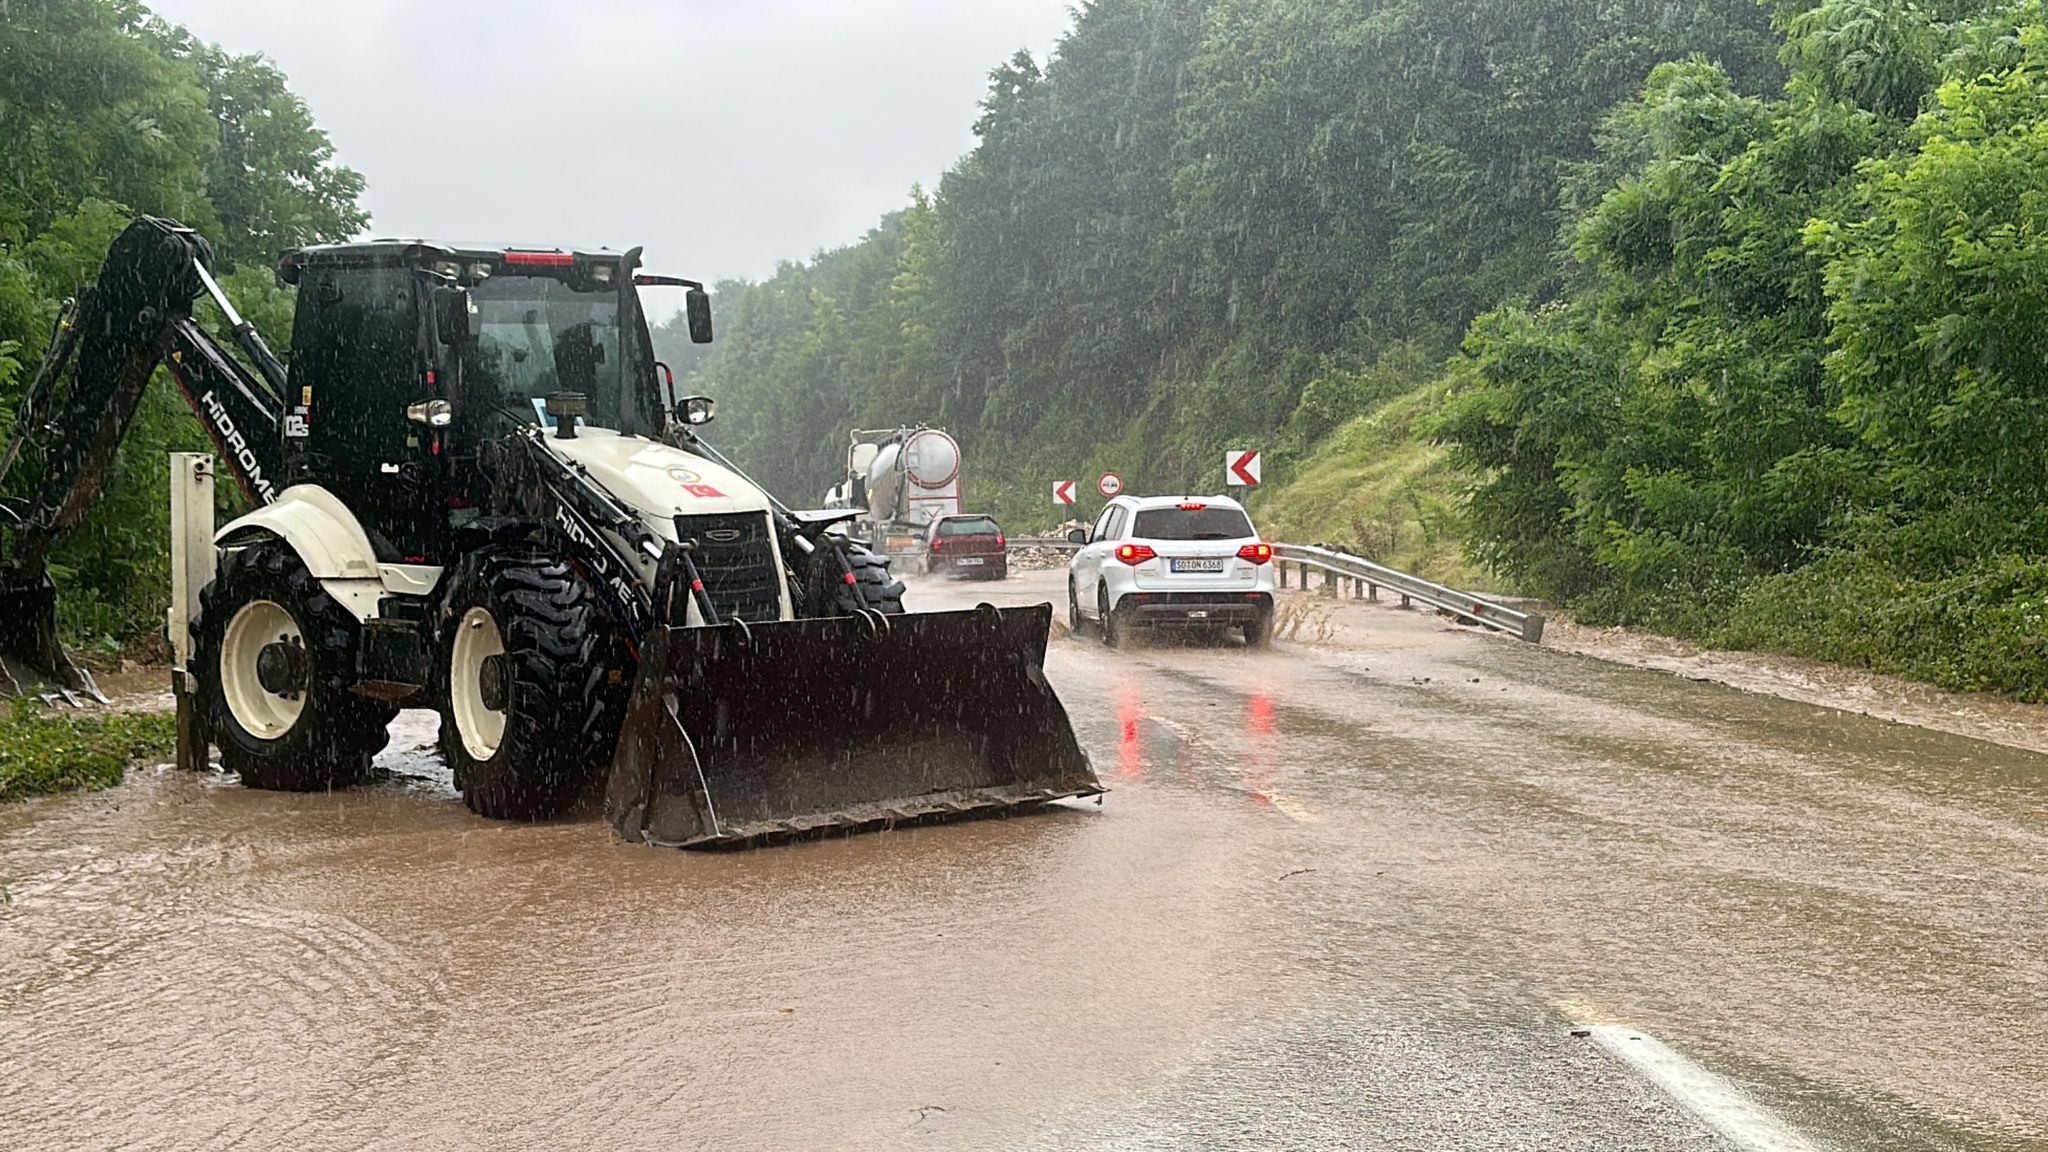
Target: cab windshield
(536,335)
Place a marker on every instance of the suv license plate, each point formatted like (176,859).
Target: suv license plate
(1198,613)
(1198,564)
(965,561)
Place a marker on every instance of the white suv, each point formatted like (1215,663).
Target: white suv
(1171,560)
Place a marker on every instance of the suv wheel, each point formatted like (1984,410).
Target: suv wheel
(1111,620)
(1258,631)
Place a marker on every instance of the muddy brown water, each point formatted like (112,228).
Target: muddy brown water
(1343,896)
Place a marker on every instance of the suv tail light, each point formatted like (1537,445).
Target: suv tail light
(1134,554)
(1256,553)
(1000,543)
(938,544)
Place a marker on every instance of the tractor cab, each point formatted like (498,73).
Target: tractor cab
(408,355)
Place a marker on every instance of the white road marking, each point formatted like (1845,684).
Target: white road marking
(1717,1103)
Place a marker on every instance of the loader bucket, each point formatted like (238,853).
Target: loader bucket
(738,733)
(30,654)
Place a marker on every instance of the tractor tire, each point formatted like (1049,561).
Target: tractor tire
(529,710)
(872,590)
(274,656)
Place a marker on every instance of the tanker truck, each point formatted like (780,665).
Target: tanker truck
(900,480)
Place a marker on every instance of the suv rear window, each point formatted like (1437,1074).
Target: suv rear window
(968,526)
(1212,523)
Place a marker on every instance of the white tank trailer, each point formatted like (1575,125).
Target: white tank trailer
(902,479)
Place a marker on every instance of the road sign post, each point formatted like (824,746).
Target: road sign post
(1063,492)
(1109,485)
(1241,467)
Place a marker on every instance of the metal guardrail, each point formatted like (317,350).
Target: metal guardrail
(1368,578)
(1056,543)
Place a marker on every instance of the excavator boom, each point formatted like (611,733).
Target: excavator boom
(83,397)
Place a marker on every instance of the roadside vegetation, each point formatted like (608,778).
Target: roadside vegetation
(45,751)
(107,111)
(1709,318)
(1793,397)
(1377,488)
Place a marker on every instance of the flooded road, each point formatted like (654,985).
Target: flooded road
(1340,896)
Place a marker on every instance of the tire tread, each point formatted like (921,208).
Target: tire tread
(341,732)
(563,721)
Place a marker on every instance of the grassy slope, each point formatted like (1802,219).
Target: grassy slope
(46,752)
(1376,489)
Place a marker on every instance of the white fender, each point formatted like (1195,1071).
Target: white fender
(334,548)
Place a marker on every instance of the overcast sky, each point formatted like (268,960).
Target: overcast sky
(724,135)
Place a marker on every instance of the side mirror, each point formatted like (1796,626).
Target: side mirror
(451,314)
(1077,536)
(696,409)
(697,308)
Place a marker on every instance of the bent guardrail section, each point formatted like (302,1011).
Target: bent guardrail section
(1370,577)
(1367,579)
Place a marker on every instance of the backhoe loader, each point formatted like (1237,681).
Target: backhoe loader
(474,490)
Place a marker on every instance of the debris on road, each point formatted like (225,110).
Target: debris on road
(1037,558)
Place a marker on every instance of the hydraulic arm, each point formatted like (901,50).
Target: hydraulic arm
(84,395)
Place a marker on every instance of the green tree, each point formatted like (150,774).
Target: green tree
(106,112)
(90,110)
(1936,299)
(271,176)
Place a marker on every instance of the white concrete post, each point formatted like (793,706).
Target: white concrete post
(192,564)
(191,546)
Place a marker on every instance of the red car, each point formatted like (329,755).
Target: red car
(967,546)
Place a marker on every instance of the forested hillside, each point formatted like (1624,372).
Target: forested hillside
(1205,222)
(1795,396)
(1712,317)
(106,111)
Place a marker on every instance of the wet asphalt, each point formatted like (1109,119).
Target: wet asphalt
(1356,894)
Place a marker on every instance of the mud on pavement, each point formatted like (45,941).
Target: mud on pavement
(1350,894)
